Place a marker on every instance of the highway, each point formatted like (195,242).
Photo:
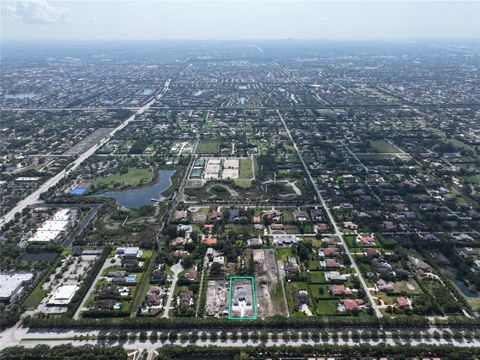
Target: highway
(35,196)
(338,233)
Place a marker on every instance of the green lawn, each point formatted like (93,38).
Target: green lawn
(326,307)
(147,254)
(459,144)
(209,147)
(383,146)
(473,179)
(325,112)
(319,294)
(317,277)
(240,229)
(134,177)
(364,267)
(283,253)
(243,183)
(350,240)
(32,301)
(245,171)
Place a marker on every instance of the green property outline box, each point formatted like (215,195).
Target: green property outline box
(254,296)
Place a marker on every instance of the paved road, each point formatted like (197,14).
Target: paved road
(81,227)
(35,196)
(177,269)
(338,233)
(30,338)
(355,157)
(108,263)
(71,109)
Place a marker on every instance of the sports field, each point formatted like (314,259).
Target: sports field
(209,147)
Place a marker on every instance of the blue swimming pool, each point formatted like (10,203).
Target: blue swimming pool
(77,191)
(131,278)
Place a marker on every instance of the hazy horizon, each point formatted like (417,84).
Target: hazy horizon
(42,20)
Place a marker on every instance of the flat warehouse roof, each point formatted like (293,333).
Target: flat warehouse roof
(53,225)
(44,236)
(9,283)
(63,295)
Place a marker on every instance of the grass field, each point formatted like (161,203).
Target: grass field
(459,144)
(319,291)
(383,146)
(209,147)
(37,295)
(283,253)
(240,229)
(314,265)
(325,112)
(245,171)
(243,183)
(473,179)
(134,177)
(317,277)
(326,307)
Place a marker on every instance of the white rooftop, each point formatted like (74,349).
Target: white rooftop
(44,236)
(63,295)
(52,225)
(61,215)
(9,283)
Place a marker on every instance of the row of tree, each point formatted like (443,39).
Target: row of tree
(343,351)
(86,352)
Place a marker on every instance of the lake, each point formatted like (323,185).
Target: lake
(464,287)
(135,197)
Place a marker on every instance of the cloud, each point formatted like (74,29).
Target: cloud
(34,12)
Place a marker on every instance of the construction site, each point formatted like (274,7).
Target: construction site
(242,300)
(217,295)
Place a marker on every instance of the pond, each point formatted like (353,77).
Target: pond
(42,256)
(135,197)
(464,287)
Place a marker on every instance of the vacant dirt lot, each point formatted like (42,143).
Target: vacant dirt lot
(270,297)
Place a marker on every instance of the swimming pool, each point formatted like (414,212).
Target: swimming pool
(131,278)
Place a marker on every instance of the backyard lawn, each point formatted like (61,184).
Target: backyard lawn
(326,307)
(283,253)
(317,277)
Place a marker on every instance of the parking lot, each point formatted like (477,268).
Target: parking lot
(70,272)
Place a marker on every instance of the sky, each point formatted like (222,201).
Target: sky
(34,20)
